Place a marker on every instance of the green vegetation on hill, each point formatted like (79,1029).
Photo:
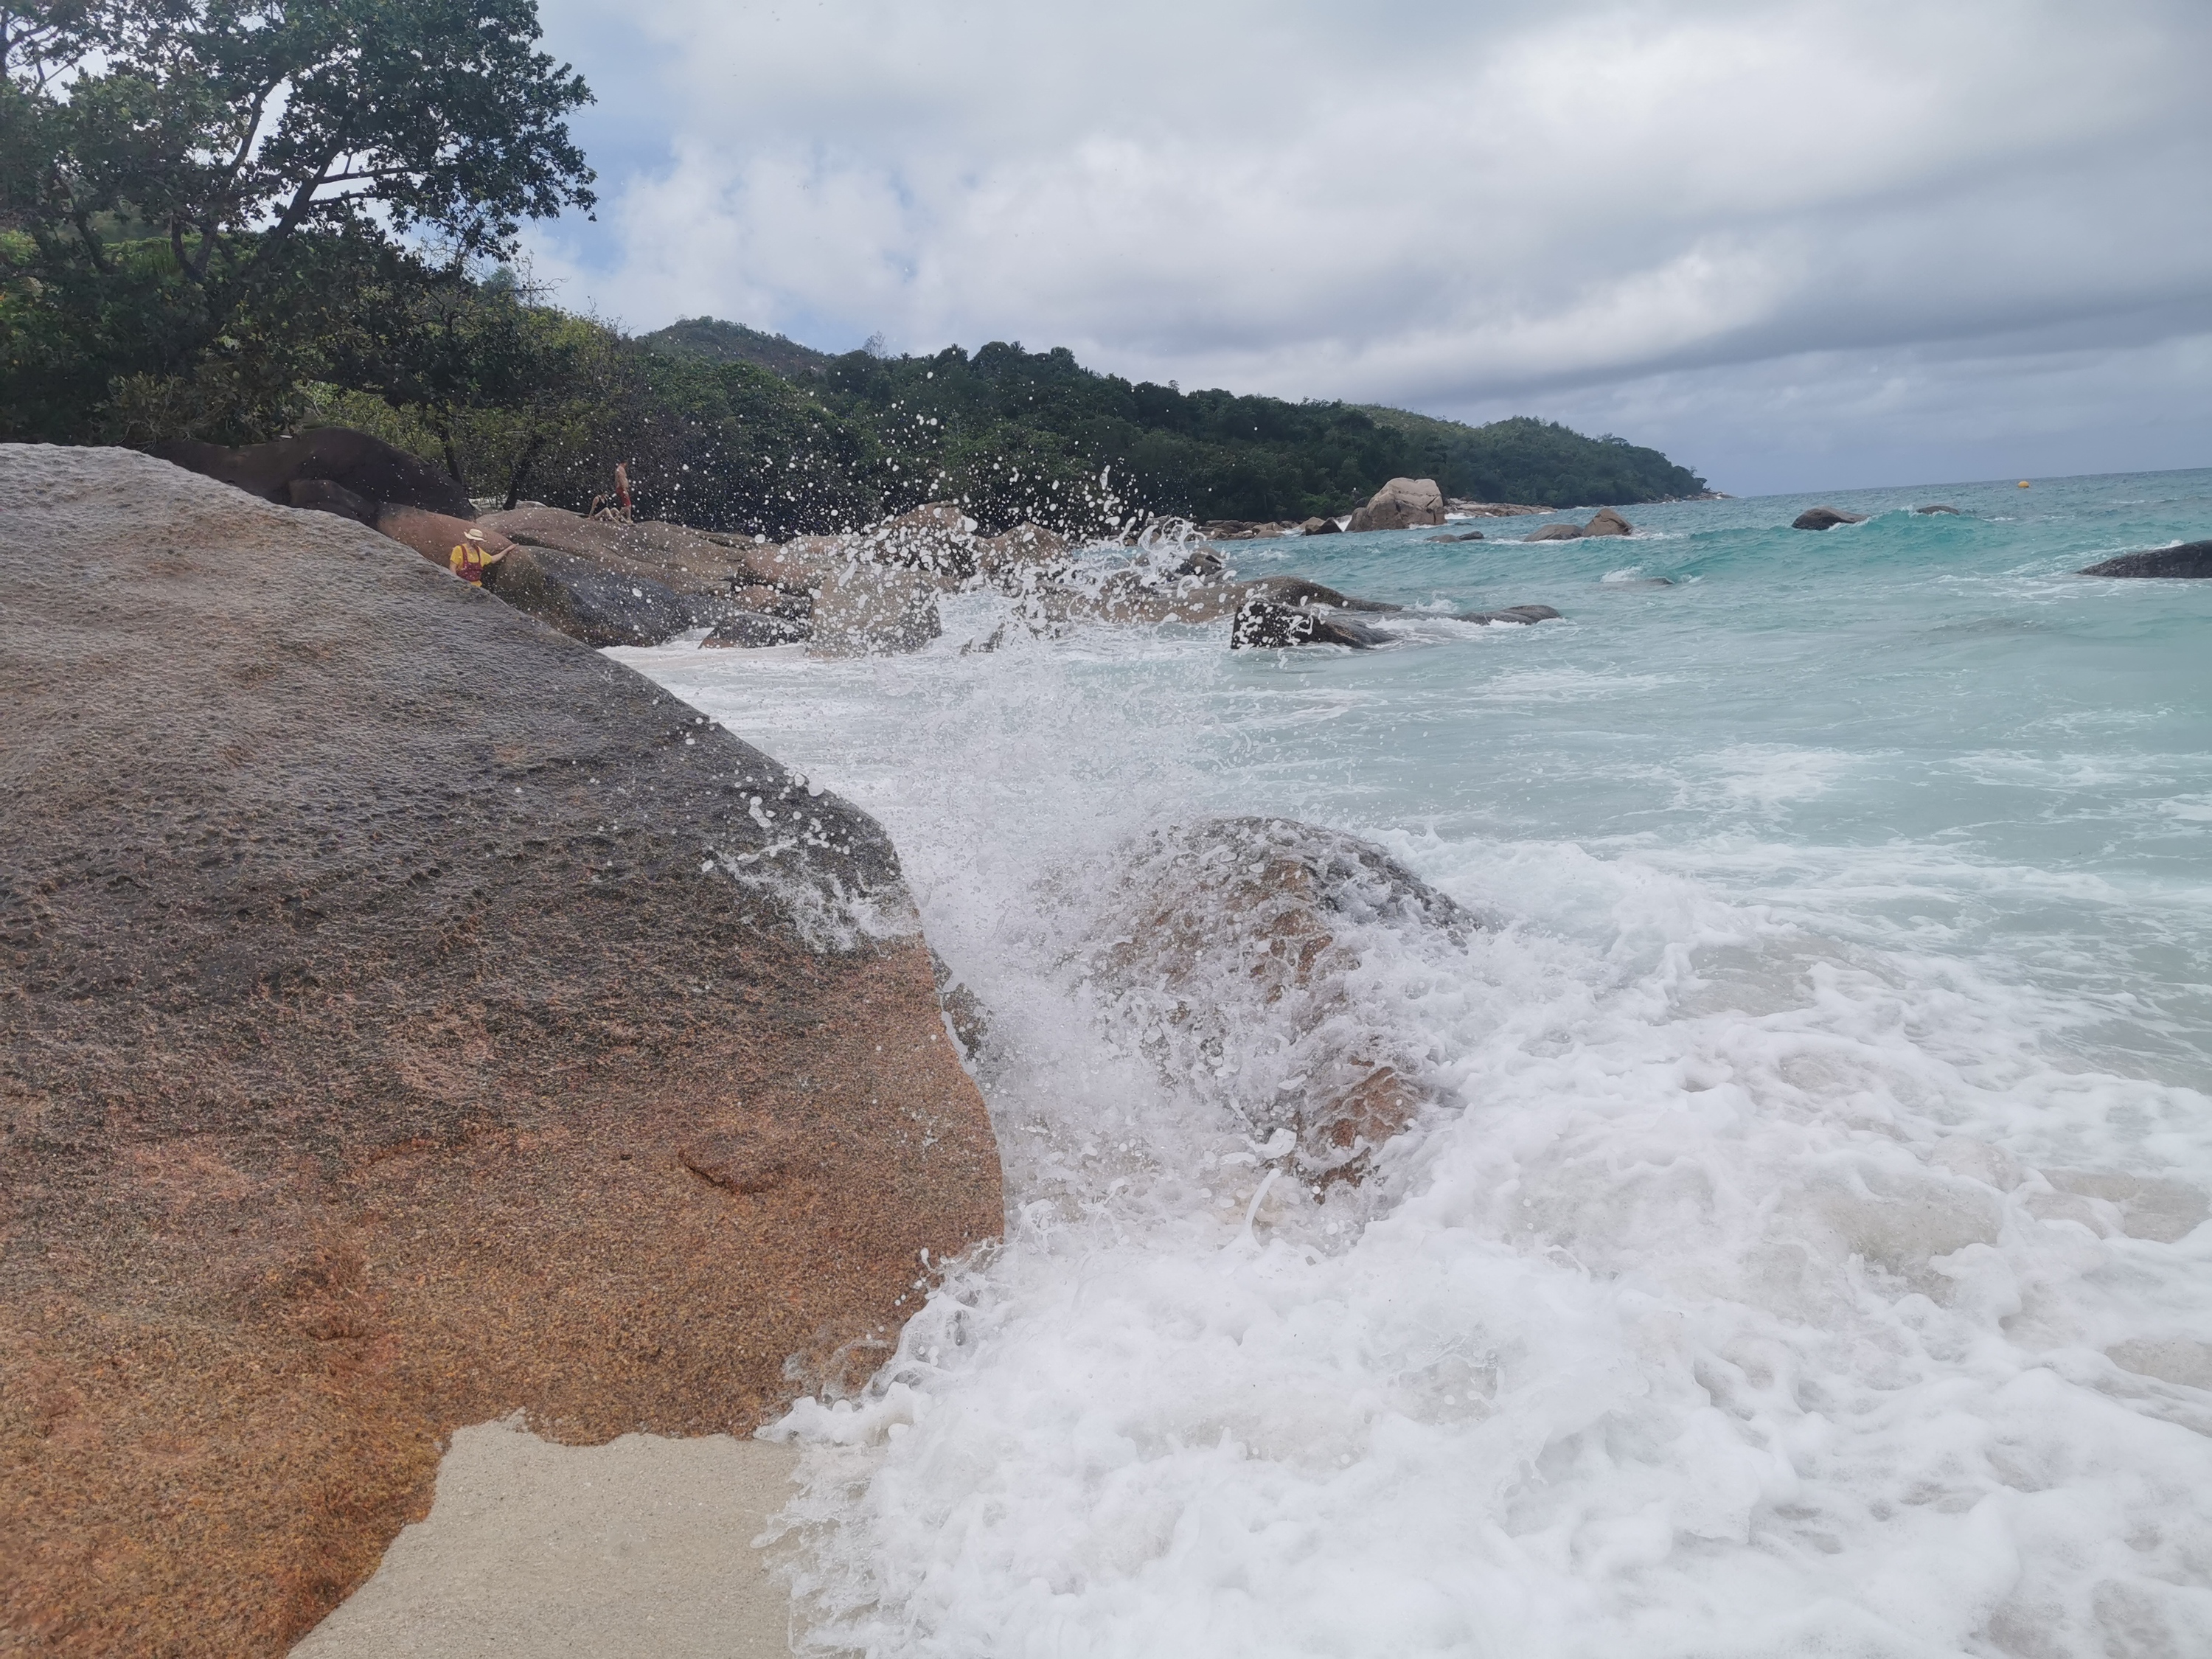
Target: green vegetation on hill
(979,422)
(228,223)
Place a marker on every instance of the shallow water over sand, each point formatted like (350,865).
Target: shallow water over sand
(1773,1286)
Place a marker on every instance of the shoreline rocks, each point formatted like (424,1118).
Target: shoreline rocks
(2191,561)
(1261,624)
(416,1016)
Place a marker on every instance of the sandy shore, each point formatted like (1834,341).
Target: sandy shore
(640,1548)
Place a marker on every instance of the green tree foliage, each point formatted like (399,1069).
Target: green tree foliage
(195,191)
(1013,431)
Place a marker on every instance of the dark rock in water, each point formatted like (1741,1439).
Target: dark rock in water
(2192,560)
(1607,522)
(367,467)
(1825,518)
(1321,527)
(1522,614)
(1297,590)
(751,629)
(1263,624)
(1637,582)
(1202,563)
(1241,938)
(1471,536)
(1556,533)
(1939,508)
(413,1017)
(589,601)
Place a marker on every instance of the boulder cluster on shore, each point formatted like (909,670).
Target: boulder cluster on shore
(607,579)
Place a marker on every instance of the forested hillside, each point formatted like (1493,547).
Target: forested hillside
(1208,454)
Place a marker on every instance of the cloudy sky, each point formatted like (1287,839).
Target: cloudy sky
(1796,246)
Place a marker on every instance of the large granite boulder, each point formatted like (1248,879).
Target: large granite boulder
(1825,518)
(289,470)
(1555,532)
(413,1017)
(1241,956)
(1400,505)
(1608,521)
(611,583)
(2191,559)
(1320,527)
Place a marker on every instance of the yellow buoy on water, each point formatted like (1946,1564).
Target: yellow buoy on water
(2023,483)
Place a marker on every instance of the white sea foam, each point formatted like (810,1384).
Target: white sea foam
(1816,1265)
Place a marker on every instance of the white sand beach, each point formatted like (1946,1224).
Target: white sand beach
(531,1550)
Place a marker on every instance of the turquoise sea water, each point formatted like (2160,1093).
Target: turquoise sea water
(1811,1259)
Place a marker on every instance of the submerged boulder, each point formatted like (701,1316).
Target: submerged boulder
(413,1017)
(1466,536)
(2190,560)
(1555,532)
(1825,518)
(1401,504)
(1232,956)
(1938,508)
(366,468)
(1265,625)
(1517,614)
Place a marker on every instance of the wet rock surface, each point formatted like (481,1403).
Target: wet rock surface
(2191,560)
(1232,959)
(1261,624)
(396,992)
(1520,615)
(1825,518)
(1937,508)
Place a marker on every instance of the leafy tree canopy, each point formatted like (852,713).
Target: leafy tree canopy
(167,167)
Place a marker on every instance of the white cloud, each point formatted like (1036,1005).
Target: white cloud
(1438,205)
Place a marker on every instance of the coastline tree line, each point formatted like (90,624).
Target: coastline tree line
(230,219)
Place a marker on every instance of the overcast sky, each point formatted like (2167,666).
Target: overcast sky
(1795,245)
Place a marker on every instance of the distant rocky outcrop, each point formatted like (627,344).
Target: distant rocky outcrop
(2192,560)
(1318,527)
(1400,505)
(1246,529)
(1243,937)
(413,1017)
(1825,518)
(1604,522)
(1491,509)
